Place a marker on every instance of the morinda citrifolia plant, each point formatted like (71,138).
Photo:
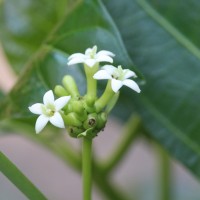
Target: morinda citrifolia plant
(157,36)
(85,116)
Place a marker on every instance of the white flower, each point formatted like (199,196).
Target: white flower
(49,111)
(118,77)
(91,57)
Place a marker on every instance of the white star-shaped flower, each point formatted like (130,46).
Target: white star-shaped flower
(118,77)
(91,57)
(49,111)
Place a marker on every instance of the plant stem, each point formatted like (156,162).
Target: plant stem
(105,98)
(165,173)
(129,134)
(91,82)
(87,168)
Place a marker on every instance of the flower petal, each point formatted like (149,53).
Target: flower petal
(88,51)
(76,60)
(76,55)
(90,62)
(48,98)
(129,73)
(41,122)
(102,74)
(61,102)
(132,84)
(105,53)
(109,68)
(92,50)
(36,108)
(116,85)
(104,58)
(57,120)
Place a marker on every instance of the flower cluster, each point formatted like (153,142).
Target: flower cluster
(86,115)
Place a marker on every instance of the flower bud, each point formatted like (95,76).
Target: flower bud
(90,100)
(89,109)
(91,121)
(70,85)
(60,91)
(77,106)
(102,119)
(74,131)
(71,119)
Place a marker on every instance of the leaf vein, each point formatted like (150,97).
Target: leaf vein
(183,40)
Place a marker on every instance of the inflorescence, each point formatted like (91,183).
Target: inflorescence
(84,116)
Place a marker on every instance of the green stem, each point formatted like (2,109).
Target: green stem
(105,98)
(130,132)
(19,179)
(91,82)
(165,173)
(87,168)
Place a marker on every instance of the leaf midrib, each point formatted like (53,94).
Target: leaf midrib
(165,24)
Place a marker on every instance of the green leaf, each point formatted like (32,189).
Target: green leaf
(169,60)
(19,179)
(24,25)
(173,12)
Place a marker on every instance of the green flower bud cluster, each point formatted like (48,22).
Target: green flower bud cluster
(80,115)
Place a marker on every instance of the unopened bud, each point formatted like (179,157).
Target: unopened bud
(91,121)
(70,85)
(71,119)
(90,100)
(102,119)
(60,91)
(74,131)
(77,106)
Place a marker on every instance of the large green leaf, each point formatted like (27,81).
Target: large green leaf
(169,103)
(24,25)
(173,11)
